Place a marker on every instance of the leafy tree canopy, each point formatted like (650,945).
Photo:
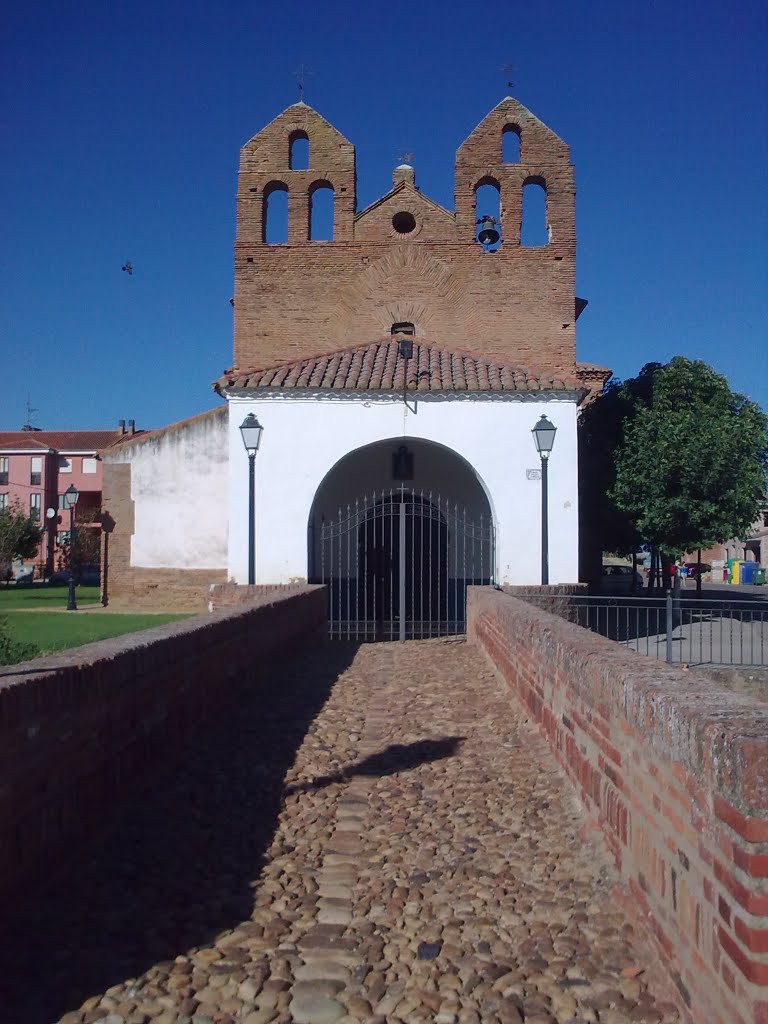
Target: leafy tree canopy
(19,534)
(690,468)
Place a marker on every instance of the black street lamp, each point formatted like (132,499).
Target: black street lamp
(544,436)
(70,500)
(251,431)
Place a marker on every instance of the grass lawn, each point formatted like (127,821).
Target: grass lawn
(54,631)
(40,595)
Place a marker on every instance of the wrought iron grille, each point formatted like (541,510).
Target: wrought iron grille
(397,564)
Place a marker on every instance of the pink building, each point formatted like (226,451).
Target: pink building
(37,467)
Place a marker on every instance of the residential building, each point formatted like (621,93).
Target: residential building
(37,467)
(752,547)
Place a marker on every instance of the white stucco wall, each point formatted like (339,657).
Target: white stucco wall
(179,486)
(304,437)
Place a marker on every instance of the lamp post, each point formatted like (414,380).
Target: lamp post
(405,351)
(70,500)
(251,431)
(544,436)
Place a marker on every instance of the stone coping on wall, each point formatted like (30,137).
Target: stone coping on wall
(237,595)
(674,771)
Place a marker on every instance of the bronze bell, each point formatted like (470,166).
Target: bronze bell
(488,235)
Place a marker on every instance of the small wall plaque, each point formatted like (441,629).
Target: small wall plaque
(533,474)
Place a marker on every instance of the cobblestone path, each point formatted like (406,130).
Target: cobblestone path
(381,839)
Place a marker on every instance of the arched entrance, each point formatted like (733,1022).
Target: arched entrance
(397,559)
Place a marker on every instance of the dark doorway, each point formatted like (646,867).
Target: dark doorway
(422,572)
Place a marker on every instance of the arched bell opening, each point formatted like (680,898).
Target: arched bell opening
(488,214)
(399,529)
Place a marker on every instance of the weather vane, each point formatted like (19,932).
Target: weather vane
(302,75)
(509,73)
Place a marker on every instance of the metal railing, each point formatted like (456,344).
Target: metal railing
(683,630)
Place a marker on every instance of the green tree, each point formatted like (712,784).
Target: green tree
(19,534)
(690,470)
(87,541)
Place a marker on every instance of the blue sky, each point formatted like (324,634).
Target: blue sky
(123,124)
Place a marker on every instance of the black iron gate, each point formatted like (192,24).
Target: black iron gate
(397,565)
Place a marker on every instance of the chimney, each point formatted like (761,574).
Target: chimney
(121,428)
(131,427)
(404,172)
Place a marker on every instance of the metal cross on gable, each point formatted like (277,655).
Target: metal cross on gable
(301,76)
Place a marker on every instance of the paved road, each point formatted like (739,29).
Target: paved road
(381,839)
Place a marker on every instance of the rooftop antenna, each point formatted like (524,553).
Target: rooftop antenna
(301,75)
(31,414)
(509,71)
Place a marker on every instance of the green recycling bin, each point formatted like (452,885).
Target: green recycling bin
(759,577)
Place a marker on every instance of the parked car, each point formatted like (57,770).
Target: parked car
(620,579)
(85,575)
(25,574)
(90,576)
(60,578)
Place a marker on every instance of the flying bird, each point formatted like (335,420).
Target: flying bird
(128,267)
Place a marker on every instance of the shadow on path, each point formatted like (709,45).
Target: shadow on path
(398,757)
(177,866)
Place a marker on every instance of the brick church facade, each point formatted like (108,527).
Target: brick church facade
(515,305)
(318,358)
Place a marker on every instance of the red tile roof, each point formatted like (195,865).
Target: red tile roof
(60,440)
(593,369)
(378,367)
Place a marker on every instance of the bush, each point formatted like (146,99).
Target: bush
(13,651)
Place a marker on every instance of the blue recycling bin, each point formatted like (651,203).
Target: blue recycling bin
(747,573)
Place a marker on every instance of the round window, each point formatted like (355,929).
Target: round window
(404,223)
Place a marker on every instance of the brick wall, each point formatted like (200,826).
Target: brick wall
(553,598)
(298,299)
(81,730)
(674,771)
(238,595)
(176,590)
